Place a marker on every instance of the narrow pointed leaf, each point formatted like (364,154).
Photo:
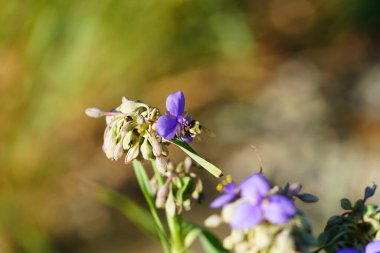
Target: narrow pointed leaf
(202,162)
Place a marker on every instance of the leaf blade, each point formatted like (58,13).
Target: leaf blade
(211,168)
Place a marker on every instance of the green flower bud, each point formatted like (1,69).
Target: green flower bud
(146,150)
(132,153)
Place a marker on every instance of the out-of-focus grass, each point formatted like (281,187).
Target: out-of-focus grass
(59,57)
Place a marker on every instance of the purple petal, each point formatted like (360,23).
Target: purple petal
(245,216)
(254,187)
(229,188)
(223,200)
(278,209)
(348,250)
(187,139)
(166,127)
(175,104)
(373,247)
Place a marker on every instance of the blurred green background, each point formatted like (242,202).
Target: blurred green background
(299,79)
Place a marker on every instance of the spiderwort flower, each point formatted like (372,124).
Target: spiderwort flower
(255,203)
(231,193)
(171,124)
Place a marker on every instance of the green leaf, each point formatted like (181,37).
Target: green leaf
(191,235)
(185,183)
(202,162)
(135,213)
(143,181)
(209,241)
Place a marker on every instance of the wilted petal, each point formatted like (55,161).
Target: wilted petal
(373,247)
(166,127)
(175,103)
(223,200)
(245,216)
(254,187)
(278,209)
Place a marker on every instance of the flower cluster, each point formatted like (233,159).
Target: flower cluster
(140,132)
(357,230)
(130,131)
(180,187)
(262,218)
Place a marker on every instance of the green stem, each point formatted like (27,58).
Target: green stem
(177,242)
(140,170)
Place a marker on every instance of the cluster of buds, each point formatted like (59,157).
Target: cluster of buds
(131,131)
(262,219)
(356,230)
(291,237)
(180,188)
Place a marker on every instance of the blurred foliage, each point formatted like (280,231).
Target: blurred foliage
(59,57)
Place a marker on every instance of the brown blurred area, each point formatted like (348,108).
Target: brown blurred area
(298,79)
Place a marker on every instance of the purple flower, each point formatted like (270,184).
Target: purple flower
(257,205)
(372,247)
(230,195)
(170,124)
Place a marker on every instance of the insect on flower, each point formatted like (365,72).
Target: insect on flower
(175,123)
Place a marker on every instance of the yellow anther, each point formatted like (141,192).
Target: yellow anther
(219,187)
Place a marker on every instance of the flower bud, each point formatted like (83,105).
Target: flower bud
(198,190)
(161,196)
(94,112)
(307,197)
(140,120)
(128,126)
(130,106)
(213,221)
(157,148)
(370,191)
(127,140)
(161,164)
(132,153)
(153,185)
(118,151)
(187,164)
(228,243)
(146,150)
(170,205)
(295,188)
